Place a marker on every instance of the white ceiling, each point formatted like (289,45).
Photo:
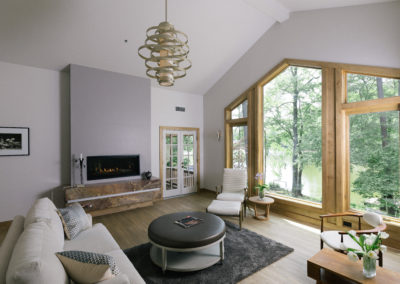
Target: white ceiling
(54,33)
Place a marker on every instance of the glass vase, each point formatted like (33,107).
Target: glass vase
(369,267)
(261,193)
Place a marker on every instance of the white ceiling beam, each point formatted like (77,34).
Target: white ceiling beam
(271,8)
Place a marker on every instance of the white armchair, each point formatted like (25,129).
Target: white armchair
(334,239)
(234,187)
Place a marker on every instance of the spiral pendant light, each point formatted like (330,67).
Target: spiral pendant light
(165,52)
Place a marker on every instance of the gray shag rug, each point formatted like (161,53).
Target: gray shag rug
(246,252)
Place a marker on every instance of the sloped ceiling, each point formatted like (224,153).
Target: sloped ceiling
(54,33)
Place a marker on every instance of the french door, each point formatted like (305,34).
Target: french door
(179,162)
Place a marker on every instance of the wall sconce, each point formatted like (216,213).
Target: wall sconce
(219,134)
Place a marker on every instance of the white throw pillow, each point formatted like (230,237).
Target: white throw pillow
(88,267)
(74,220)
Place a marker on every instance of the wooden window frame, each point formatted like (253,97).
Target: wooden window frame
(335,135)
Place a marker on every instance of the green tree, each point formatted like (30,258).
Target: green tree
(292,121)
(374,146)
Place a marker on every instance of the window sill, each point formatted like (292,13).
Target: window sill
(294,200)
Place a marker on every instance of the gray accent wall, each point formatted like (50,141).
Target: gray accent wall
(367,34)
(110,115)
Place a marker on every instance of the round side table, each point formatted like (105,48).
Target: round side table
(267,201)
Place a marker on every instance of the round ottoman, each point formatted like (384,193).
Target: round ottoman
(186,249)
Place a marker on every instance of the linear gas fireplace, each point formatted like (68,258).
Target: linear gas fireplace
(104,167)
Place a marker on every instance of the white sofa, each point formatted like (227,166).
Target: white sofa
(27,254)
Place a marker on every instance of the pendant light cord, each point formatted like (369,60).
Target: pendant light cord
(166,9)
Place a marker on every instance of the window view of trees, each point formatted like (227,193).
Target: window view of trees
(363,88)
(374,148)
(292,133)
(239,146)
(240,111)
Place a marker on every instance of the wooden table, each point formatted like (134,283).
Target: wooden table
(329,266)
(267,201)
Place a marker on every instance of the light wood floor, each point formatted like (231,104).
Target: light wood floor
(130,229)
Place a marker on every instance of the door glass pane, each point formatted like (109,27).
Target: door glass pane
(174,161)
(374,162)
(187,139)
(362,87)
(240,111)
(292,133)
(174,139)
(239,146)
(168,139)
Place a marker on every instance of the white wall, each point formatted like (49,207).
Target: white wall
(366,35)
(38,99)
(163,103)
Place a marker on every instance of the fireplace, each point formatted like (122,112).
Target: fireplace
(104,167)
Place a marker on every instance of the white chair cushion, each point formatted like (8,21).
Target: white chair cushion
(228,208)
(7,246)
(373,219)
(231,196)
(234,180)
(126,267)
(332,239)
(33,259)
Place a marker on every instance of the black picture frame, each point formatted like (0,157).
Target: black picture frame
(14,141)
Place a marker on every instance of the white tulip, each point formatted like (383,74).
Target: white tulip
(383,248)
(369,241)
(372,254)
(342,246)
(384,235)
(352,256)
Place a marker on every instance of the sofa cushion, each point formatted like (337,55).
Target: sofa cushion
(7,246)
(126,267)
(119,279)
(88,267)
(43,210)
(33,260)
(96,239)
(74,220)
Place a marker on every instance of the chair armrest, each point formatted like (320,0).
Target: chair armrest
(341,214)
(375,230)
(246,193)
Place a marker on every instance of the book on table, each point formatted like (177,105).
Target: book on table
(188,221)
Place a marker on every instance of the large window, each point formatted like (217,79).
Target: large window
(292,133)
(325,136)
(374,148)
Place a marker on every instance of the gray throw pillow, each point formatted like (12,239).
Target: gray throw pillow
(74,220)
(88,267)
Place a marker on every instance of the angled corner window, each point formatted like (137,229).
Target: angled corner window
(374,147)
(240,111)
(293,133)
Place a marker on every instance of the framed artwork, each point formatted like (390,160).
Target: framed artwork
(14,141)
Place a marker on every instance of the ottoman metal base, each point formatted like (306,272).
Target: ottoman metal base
(191,259)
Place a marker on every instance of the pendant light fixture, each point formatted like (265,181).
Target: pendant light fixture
(167,51)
